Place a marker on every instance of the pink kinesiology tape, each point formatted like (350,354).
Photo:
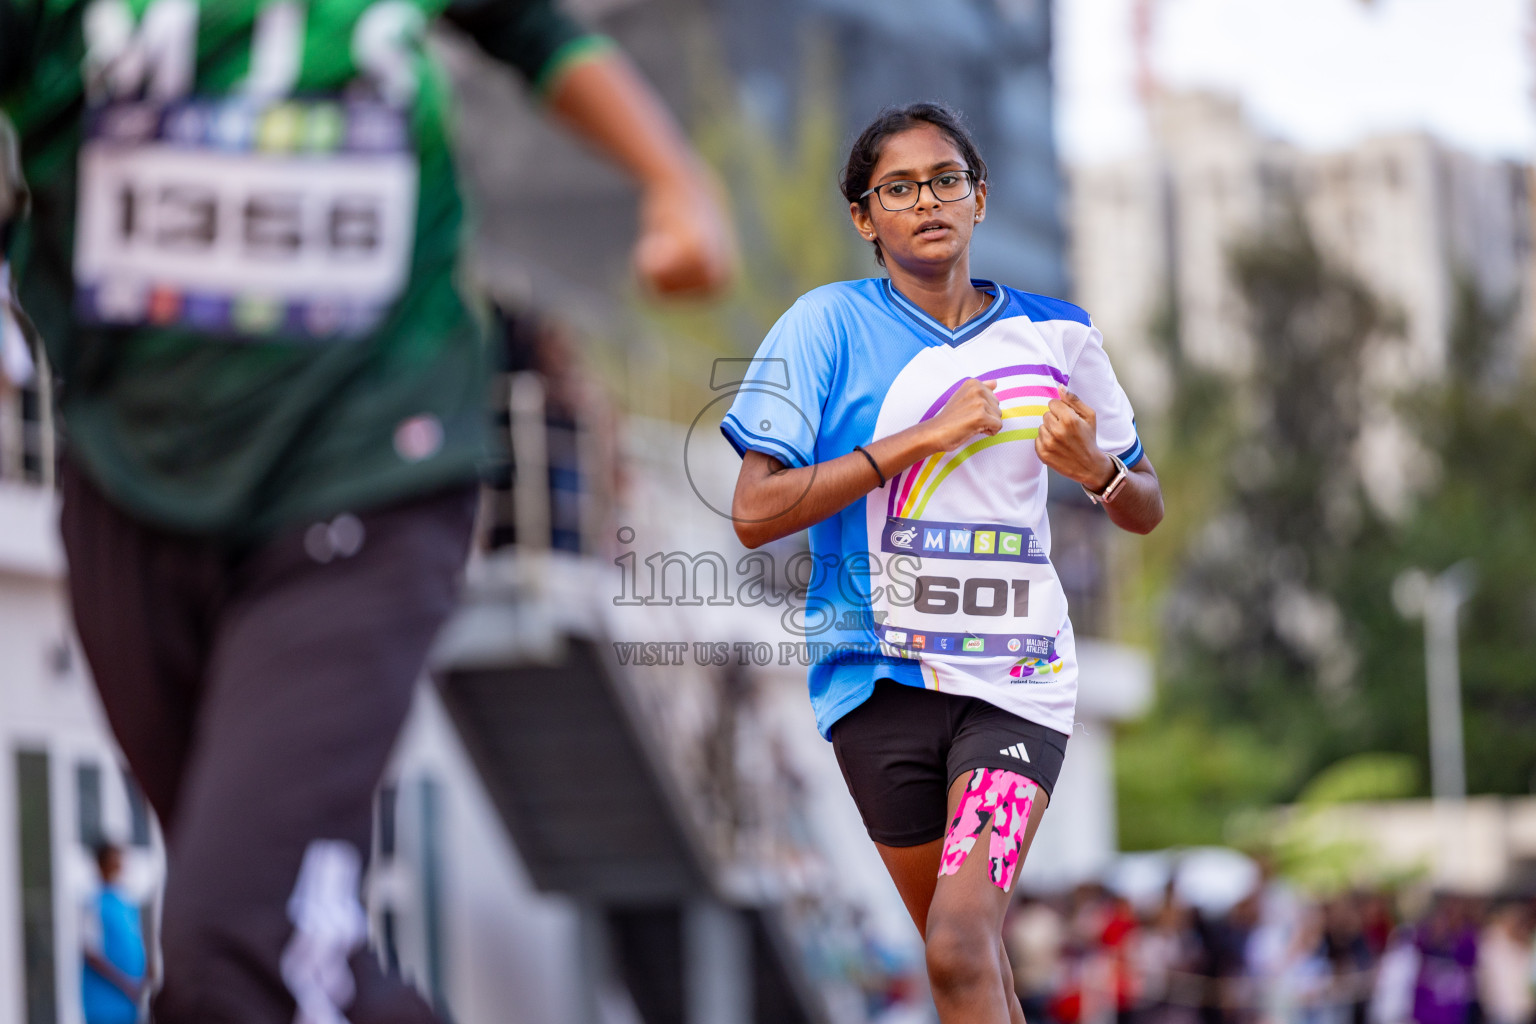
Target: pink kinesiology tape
(1005,798)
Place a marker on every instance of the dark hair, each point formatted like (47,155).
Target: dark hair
(104,849)
(893,121)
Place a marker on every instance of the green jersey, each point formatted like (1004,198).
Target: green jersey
(243,245)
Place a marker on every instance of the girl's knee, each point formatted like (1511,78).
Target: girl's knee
(960,951)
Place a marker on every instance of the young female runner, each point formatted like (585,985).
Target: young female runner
(908,422)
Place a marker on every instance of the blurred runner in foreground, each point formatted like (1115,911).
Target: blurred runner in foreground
(242,258)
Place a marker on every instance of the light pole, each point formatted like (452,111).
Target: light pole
(1438,600)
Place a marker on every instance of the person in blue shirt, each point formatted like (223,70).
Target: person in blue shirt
(112,940)
(908,422)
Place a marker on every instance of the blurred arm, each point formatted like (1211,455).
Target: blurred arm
(16,337)
(533,37)
(14,44)
(102,966)
(685,244)
(12,195)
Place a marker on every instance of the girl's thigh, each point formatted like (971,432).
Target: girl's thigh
(974,863)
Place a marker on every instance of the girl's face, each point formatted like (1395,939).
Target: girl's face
(932,233)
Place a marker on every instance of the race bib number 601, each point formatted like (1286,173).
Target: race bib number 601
(224,217)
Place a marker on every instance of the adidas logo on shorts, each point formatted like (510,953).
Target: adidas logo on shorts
(1018,751)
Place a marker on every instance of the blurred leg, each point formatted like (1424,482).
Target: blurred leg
(142,603)
(311,677)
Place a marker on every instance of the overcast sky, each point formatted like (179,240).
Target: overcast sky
(1318,72)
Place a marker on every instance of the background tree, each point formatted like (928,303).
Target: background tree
(1280,652)
(1254,640)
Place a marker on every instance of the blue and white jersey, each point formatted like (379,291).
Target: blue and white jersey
(942,578)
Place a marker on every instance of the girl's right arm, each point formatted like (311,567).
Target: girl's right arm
(774,501)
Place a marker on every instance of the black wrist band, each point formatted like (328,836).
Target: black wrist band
(872,463)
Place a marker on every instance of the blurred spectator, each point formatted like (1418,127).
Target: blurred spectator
(1034,935)
(1081,996)
(1445,989)
(1349,958)
(1277,951)
(112,944)
(1275,956)
(1504,967)
(1119,938)
(1392,997)
(1377,921)
(1165,955)
(1299,986)
(1223,961)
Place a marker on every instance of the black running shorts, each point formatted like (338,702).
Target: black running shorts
(902,748)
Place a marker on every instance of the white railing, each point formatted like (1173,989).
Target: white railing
(28,443)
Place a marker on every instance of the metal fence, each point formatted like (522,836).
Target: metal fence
(28,441)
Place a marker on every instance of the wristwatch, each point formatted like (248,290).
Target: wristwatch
(1113,487)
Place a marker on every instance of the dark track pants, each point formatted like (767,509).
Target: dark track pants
(257,695)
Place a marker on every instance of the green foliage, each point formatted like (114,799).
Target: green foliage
(1369,776)
(1479,423)
(791,220)
(1253,631)
(1179,779)
(1195,435)
(1313,843)
(1279,635)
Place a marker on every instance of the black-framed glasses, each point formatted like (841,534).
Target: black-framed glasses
(946,186)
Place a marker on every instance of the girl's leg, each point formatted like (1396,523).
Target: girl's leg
(1011,994)
(915,870)
(961,918)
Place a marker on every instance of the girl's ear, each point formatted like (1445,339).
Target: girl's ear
(862,221)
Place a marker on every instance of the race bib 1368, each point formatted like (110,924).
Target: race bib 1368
(295,217)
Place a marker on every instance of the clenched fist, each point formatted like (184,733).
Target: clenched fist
(1068,442)
(971,410)
(686,247)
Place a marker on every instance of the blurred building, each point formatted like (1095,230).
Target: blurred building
(767,64)
(1406,213)
(990,59)
(62,785)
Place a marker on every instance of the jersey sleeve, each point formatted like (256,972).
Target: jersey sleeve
(1093,380)
(785,387)
(535,37)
